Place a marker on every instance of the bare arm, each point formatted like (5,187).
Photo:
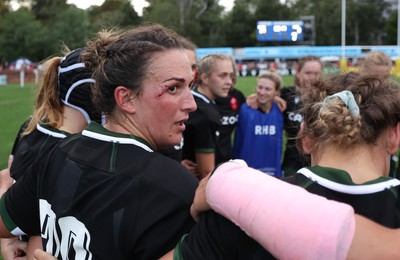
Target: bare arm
(5,182)
(251,101)
(281,103)
(190,166)
(373,241)
(205,164)
(200,204)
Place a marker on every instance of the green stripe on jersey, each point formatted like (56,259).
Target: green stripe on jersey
(10,225)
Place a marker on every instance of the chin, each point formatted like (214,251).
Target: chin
(176,140)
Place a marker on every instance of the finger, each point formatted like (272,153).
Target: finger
(194,213)
(39,254)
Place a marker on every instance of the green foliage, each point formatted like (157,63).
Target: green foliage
(364,20)
(391,29)
(74,21)
(113,13)
(361,29)
(199,20)
(239,25)
(17,37)
(40,29)
(47,10)
(327,16)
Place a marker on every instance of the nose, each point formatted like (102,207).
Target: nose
(314,77)
(188,101)
(230,81)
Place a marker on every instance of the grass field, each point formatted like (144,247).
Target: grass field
(16,104)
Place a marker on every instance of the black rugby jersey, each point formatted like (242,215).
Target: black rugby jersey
(202,128)
(292,159)
(229,110)
(35,145)
(215,237)
(104,195)
(377,200)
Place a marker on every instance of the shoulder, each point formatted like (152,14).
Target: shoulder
(205,113)
(168,174)
(238,94)
(287,91)
(276,109)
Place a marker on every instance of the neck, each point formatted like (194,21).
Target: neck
(125,124)
(206,92)
(266,107)
(364,163)
(73,120)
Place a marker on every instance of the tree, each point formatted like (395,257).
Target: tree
(70,28)
(327,15)
(361,29)
(210,24)
(391,29)
(20,35)
(199,20)
(47,10)
(4,7)
(113,13)
(239,25)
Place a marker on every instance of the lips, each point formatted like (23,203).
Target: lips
(181,124)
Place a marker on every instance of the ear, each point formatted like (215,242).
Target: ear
(204,78)
(306,141)
(394,139)
(124,99)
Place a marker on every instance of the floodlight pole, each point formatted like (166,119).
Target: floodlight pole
(344,29)
(398,24)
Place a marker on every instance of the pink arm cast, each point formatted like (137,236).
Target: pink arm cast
(285,219)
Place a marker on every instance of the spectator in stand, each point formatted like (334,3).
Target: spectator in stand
(258,137)
(215,79)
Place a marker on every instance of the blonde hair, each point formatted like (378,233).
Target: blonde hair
(205,65)
(273,76)
(48,106)
(373,59)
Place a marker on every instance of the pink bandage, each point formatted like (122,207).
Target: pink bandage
(285,219)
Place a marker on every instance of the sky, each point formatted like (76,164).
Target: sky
(137,4)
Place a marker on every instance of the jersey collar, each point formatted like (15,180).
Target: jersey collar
(341,181)
(49,130)
(96,131)
(197,94)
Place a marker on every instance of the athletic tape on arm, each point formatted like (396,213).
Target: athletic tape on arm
(285,219)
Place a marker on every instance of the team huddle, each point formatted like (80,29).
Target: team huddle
(132,152)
